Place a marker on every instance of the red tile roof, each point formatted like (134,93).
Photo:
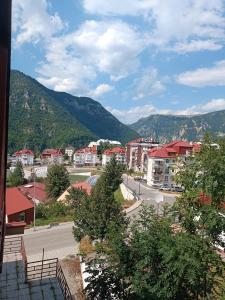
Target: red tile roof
(171,150)
(116,150)
(28,190)
(87,150)
(83,186)
(16,201)
(51,152)
(24,151)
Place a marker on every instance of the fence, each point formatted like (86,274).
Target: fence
(41,269)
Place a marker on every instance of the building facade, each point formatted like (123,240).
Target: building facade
(118,152)
(25,156)
(163,163)
(69,151)
(137,153)
(52,156)
(86,157)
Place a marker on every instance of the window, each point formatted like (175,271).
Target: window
(166,178)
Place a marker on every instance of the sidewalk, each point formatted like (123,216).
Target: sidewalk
(47,228)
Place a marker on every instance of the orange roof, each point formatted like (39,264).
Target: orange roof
(16,202)
(87,150)
(24,151)
(83,186)
(116,150)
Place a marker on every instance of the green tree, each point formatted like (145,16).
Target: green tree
(149,261)
(57,181)
(16,178)
(75,197)
(95,213)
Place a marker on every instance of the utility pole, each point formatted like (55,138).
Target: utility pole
(34,173)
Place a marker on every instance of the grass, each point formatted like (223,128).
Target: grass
(120,199)
(59,219)
(77,178)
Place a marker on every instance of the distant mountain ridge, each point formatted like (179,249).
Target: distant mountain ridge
(40,118)
(169,127)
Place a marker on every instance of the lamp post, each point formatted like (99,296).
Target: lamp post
(158,201)
(34,173)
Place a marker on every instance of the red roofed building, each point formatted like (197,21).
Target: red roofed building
(34,191)
(85,186)
(162,162)
(52,156)
(18,206)
(86,157)
(137,153)
(25,156)
(118,152)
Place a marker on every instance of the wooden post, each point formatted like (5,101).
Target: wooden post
(5,54)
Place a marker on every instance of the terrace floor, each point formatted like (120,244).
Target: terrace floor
(13,286)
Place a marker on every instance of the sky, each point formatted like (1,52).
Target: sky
(136,57)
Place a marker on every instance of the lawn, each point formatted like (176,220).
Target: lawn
(53,219)
(77,178)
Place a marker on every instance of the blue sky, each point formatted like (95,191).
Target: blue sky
(136,57)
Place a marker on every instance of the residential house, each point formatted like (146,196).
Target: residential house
(86,157)
(84,186)
(118,152)
(35,191)
(52,156)
(137,153)
(163,162)
(25,156)
(69,151)
(18,206)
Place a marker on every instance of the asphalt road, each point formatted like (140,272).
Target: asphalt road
(57,242)
(148,195)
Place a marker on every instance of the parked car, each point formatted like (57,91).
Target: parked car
(164,188)
(137,178)
(178,189)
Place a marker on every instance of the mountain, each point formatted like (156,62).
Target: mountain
(41,118)
(167,127)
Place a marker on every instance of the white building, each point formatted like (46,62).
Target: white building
(103,141)
(25,156)
(118,152)
(69,151)
(52,156)
(137,153)
(163,162)
(86,157)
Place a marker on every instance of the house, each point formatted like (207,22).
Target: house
(18,206)
(86,157)
(25,156)
(52,156)
(118,152)
(103,141)
(69,151)
(137,153)
(85,186)
(163,162)
(35,191)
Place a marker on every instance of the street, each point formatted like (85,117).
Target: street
(149,195)
(57,242)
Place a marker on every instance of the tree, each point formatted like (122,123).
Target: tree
(57,181)
(201,205)
(75,197)
(149,261)
(16,178)
(94,214)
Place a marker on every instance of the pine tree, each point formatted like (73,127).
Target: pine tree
(16,178)
(57,181)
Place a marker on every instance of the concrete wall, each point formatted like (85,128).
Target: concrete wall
(126,192)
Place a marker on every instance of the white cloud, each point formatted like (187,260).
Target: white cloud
(214,76)
(31,21)
(148,84)
(73,60)
(113,47)
(138,112)
(186,25)
(100,90)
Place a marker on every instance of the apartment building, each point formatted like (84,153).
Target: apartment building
(86,157)
(25,156)
(118,152)
(163,162)
(137,153)
(52,156)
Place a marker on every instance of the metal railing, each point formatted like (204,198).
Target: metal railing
(63,283)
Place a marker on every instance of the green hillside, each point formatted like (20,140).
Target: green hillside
(40,118)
